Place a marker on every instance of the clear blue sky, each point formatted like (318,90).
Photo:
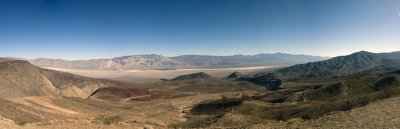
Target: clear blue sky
(84,29)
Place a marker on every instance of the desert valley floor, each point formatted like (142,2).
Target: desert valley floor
(146,76)
(250,97)
(199,64)
(385,115)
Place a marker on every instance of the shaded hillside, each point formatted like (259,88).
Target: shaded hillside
(209,86)
(21,79)
(121,94)
(200,75)
(235,75)
(267,80)
(306,99)
(159,62)
(356,63)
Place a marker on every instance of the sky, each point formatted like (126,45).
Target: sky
(89,29)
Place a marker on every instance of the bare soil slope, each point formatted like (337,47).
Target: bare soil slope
(22,79)
(381,114)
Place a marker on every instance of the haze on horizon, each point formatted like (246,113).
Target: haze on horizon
(75,29)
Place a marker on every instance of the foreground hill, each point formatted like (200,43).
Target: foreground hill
(32,97)
(382,114)
(191,101)
(159,62)
(356,63)
(21,79)
(300,100)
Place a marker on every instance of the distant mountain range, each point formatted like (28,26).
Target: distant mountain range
(159,62)
(356,63)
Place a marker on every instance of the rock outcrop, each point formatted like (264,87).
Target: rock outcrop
(235,75)
(200,75)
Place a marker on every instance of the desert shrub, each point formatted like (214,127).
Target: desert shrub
(110,119)
(294,120)
(21,122)
(215,107)
(391,92)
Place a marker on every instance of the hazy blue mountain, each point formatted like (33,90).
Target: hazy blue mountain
(153,61)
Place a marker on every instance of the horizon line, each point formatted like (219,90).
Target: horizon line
(164,56)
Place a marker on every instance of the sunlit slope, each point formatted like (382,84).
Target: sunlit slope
(21,79)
